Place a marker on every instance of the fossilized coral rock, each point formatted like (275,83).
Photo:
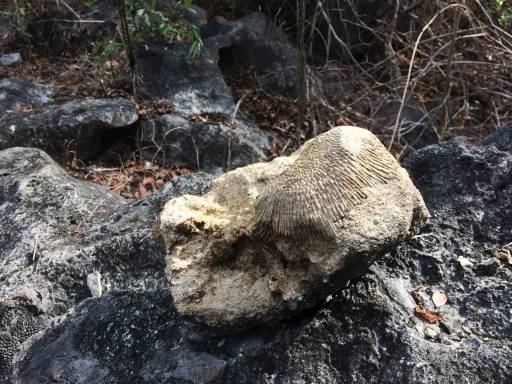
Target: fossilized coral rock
(272,239)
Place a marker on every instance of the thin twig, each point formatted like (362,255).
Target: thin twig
(90,215)
(404,95)
(448,83)
(70,9)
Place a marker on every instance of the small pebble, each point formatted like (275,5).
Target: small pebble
(94,284)
(431,331)
(10,59)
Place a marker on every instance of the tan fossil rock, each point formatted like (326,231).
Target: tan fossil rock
(272,239)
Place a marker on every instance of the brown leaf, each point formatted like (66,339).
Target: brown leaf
(148,180)
(340,121)
(427,314)
(111,64)
(439,298)
(143,192)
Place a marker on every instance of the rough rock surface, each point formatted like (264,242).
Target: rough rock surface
(77,126)
(255,41)
(417,127)
(57,232)
(39,205)
(501,138)
(51,35)
(367,333)
(196,85)
(273,239)
(17,93)
(10,58)
(213,147)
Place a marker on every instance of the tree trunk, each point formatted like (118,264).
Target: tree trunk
(120,7)
(302,64)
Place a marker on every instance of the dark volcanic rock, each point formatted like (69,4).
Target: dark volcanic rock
(257,42)
(417,126)
(39,207)
(57,230)
(56,32)
(368,333)
(501,138)
(214,147)
(352,22)
(17,93)
(196,85)
(77,126)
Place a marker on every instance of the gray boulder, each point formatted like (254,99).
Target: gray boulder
(501,138)
(196,85)
(57,232)
(7,59)
(255,41)
(213,147)
(17,93)
(77,126)
(40,206)
(417,126)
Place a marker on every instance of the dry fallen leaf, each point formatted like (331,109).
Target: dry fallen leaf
(340,121)
(111,64)
(143,192)
(427,314)
(439,298)
(148,180)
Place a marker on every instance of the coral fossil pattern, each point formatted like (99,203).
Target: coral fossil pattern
(325,182)
(273,239)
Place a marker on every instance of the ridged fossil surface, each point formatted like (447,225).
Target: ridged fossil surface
(272,239)
(330,176)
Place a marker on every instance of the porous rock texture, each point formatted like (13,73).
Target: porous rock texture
(213,147)
(417,126)
(273,239)
(57,231)
(50,36)
(367,333)
(501,138)
(39,206)
(17,93)
(76,126)
(197,85)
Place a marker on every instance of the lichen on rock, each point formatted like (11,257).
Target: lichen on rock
(272,239)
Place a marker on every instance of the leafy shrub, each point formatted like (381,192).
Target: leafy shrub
(148,20)
(504,10)
(167,24)
(106,50)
